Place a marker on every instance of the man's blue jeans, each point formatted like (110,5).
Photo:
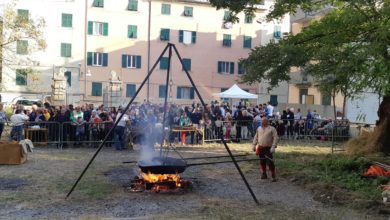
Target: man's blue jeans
(17,133)
(119,132)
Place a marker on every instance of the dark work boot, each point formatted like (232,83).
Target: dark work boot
(274,178)
(263,176)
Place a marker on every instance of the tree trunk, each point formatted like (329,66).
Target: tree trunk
(383,126)
(344,104)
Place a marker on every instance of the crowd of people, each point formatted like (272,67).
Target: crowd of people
(89,123)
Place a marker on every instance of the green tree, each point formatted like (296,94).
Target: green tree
(347,51)
(17,26)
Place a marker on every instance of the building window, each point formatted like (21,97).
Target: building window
(302,95)
(248,19)
(326,99)
(133,5)
(23,14)
(241,69)
(164,34)
(130,90)
(66,20)
(162,91)
(66,50)
(68,76)
(164,63)
(273,99)
(165,9)
(188,11)
(131,61)
(97,59)
(21,77)
(277,31)
(97,28)
(98,3)
(187,37)
(225,67)
(227,40)
(22,47)
(96,89)
(186,64)
(247,42)
(226,16)
(185,93)
(132,31)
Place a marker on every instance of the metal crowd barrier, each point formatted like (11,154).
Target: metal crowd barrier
(91,134)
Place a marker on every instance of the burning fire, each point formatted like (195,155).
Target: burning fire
(159,178)
(158,182)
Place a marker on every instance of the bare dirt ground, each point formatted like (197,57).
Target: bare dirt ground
(37,189)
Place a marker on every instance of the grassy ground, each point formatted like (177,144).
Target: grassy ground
(332,179)
(335,179)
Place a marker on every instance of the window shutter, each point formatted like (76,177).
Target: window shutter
(165,9)
(192,93)
(164,34)
(274,100)
(178,94)
(164,63)
(247,42)
(194,37)
(124,59)
(70,20)
(22,13)
(68,76)
(226,16)
(21,46)
(96,89)
(186,64)
(277,31)
(161,91)
(89,58)
(105,29)
(133,5)
(64,18)
(21,77)
(105,59)
(98,3)
(188,11)
(63,50)
(248,19)
(90,27)
(227,40)
(220,63)
(130,90)
(132,31)
(129,32)
(231,67)
(138,62)
(181,36)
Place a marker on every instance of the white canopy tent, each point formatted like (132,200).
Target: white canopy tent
(236,92)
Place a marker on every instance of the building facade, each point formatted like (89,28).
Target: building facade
(302,90)
(106,47)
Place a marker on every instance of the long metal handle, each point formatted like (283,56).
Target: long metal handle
(217,162)
(116,123)
(199,158)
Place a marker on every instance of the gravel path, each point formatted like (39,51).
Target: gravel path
(37,189)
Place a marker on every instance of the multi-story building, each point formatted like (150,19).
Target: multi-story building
(95,40)
(302,90)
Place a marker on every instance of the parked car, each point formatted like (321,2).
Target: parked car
(27,103)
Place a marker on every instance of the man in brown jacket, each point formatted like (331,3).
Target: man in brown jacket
(264,143)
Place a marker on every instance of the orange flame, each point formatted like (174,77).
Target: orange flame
(154,178)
